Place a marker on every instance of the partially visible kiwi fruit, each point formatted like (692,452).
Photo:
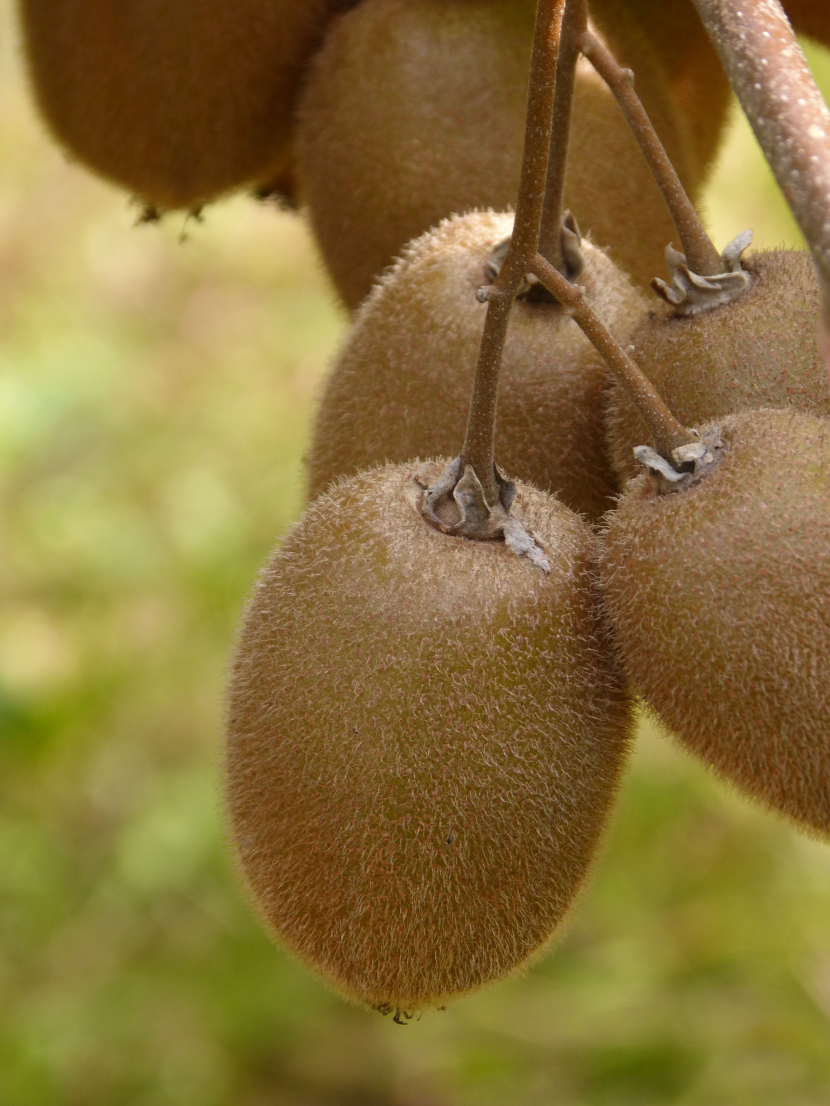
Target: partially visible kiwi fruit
(414,110)
(698,82)
(809,17)
(401,385)
(762,350)
(425,737)
(719,598)
(176,100)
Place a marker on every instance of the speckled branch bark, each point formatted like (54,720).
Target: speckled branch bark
(773,82)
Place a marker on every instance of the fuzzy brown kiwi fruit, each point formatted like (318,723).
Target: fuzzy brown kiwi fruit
(176,100)
(762,350)
(425,737)
(809,17)
(719,597)
(414,110)
(401,385)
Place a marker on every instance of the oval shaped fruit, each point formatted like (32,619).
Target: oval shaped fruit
(176,100)
(719,598)
(414,110)
(401,385)
(762,350)
(425,737)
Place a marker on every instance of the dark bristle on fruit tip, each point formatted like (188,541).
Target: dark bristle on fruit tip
(181,102)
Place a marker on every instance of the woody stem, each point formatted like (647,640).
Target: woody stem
(574,26)
(667,433)
(701,255)
(479,441)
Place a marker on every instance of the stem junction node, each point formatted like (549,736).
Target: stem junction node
(573,263)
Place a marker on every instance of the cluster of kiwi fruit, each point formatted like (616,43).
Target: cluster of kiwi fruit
(426,730)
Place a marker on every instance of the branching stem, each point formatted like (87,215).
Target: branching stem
(560,33)
(701,255)
(667,433)
(785,109)
(574,26)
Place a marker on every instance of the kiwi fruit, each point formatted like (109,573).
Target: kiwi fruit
(809,17)
(425,737)
(401,385)
(719,599)
(762,350)
(177,100)
(414,110)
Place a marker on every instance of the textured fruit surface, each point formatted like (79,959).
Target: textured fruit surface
(177,100)
(760,351)
(401,386)
(719,597)
(414,111)
(425,737)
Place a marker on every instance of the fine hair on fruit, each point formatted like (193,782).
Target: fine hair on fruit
(425,738)
(178,101)
(401,384)
(719,599)
(762,350)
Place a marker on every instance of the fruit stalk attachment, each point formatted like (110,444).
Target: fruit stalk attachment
(785,109)
(701,255)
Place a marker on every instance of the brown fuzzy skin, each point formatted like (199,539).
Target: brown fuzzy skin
(176,100)
(760,351)
(425,738)
(401,386)
(719,597)
(414,111)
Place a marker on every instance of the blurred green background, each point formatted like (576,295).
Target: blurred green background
(155,391)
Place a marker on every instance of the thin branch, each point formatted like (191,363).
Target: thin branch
(478,450)
(574,26)
(667,433)
(773,82)
(701,255)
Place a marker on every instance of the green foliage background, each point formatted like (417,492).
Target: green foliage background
(155,392)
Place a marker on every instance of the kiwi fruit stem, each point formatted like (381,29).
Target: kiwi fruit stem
(478,450)
(574,26)
(701,255)
(785,109)
(480,493)
(667,433)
